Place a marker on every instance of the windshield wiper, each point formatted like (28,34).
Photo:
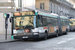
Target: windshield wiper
(28,27)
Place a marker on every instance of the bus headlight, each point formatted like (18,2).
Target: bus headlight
(36,33)
(15,31)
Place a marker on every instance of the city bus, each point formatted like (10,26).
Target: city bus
(64,24)
(72,24)
(32,25)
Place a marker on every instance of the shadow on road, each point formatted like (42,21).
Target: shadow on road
(37,40)
(33,40)
(72,31)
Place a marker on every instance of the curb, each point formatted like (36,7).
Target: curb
(4,34)
(8,41)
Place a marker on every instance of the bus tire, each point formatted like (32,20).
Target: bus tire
(57,33)
(70,30)
(66,33)
(45,37)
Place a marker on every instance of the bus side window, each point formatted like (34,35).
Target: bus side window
(40,20)
(49,21)
(55,20)
(44,21)
(61,22)
(66,22)
(52,21)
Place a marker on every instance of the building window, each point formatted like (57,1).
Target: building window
(54,8)
(57,10)
(50,7)
(41,5)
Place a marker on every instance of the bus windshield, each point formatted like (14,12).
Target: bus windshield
(20,22)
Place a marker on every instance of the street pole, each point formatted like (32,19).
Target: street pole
(12,17)
(6,29)
(6,24)
(6,35)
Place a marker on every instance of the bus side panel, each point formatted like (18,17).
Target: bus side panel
(64,28)
(42,31)
(51,30)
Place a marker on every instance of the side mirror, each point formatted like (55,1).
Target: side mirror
(10,19)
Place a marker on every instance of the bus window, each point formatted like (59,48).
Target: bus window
(51,21)
(44,21)
(55,22)
(64,22)
(40,20)
(48,21)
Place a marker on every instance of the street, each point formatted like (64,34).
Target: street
(64,42)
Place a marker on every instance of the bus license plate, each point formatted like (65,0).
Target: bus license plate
(25,37)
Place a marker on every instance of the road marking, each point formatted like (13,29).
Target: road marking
(66,41)
(71,39)
(61,42)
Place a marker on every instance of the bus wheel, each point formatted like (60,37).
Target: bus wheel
(70,30)
(66,33)
(45,37)
(57,33)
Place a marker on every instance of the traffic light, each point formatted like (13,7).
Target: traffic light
(6,16)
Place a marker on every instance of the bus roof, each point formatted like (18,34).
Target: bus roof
(72,19)
(63,17)
(47,14)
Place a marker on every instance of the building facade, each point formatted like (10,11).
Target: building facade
(72,12)
(24,4)
(72,2)
(60,7)
(42,4)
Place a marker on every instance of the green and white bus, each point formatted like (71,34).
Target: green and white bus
(31,25)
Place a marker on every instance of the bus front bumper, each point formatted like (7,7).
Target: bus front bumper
(26,37)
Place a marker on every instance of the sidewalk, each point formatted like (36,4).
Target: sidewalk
(2,38)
